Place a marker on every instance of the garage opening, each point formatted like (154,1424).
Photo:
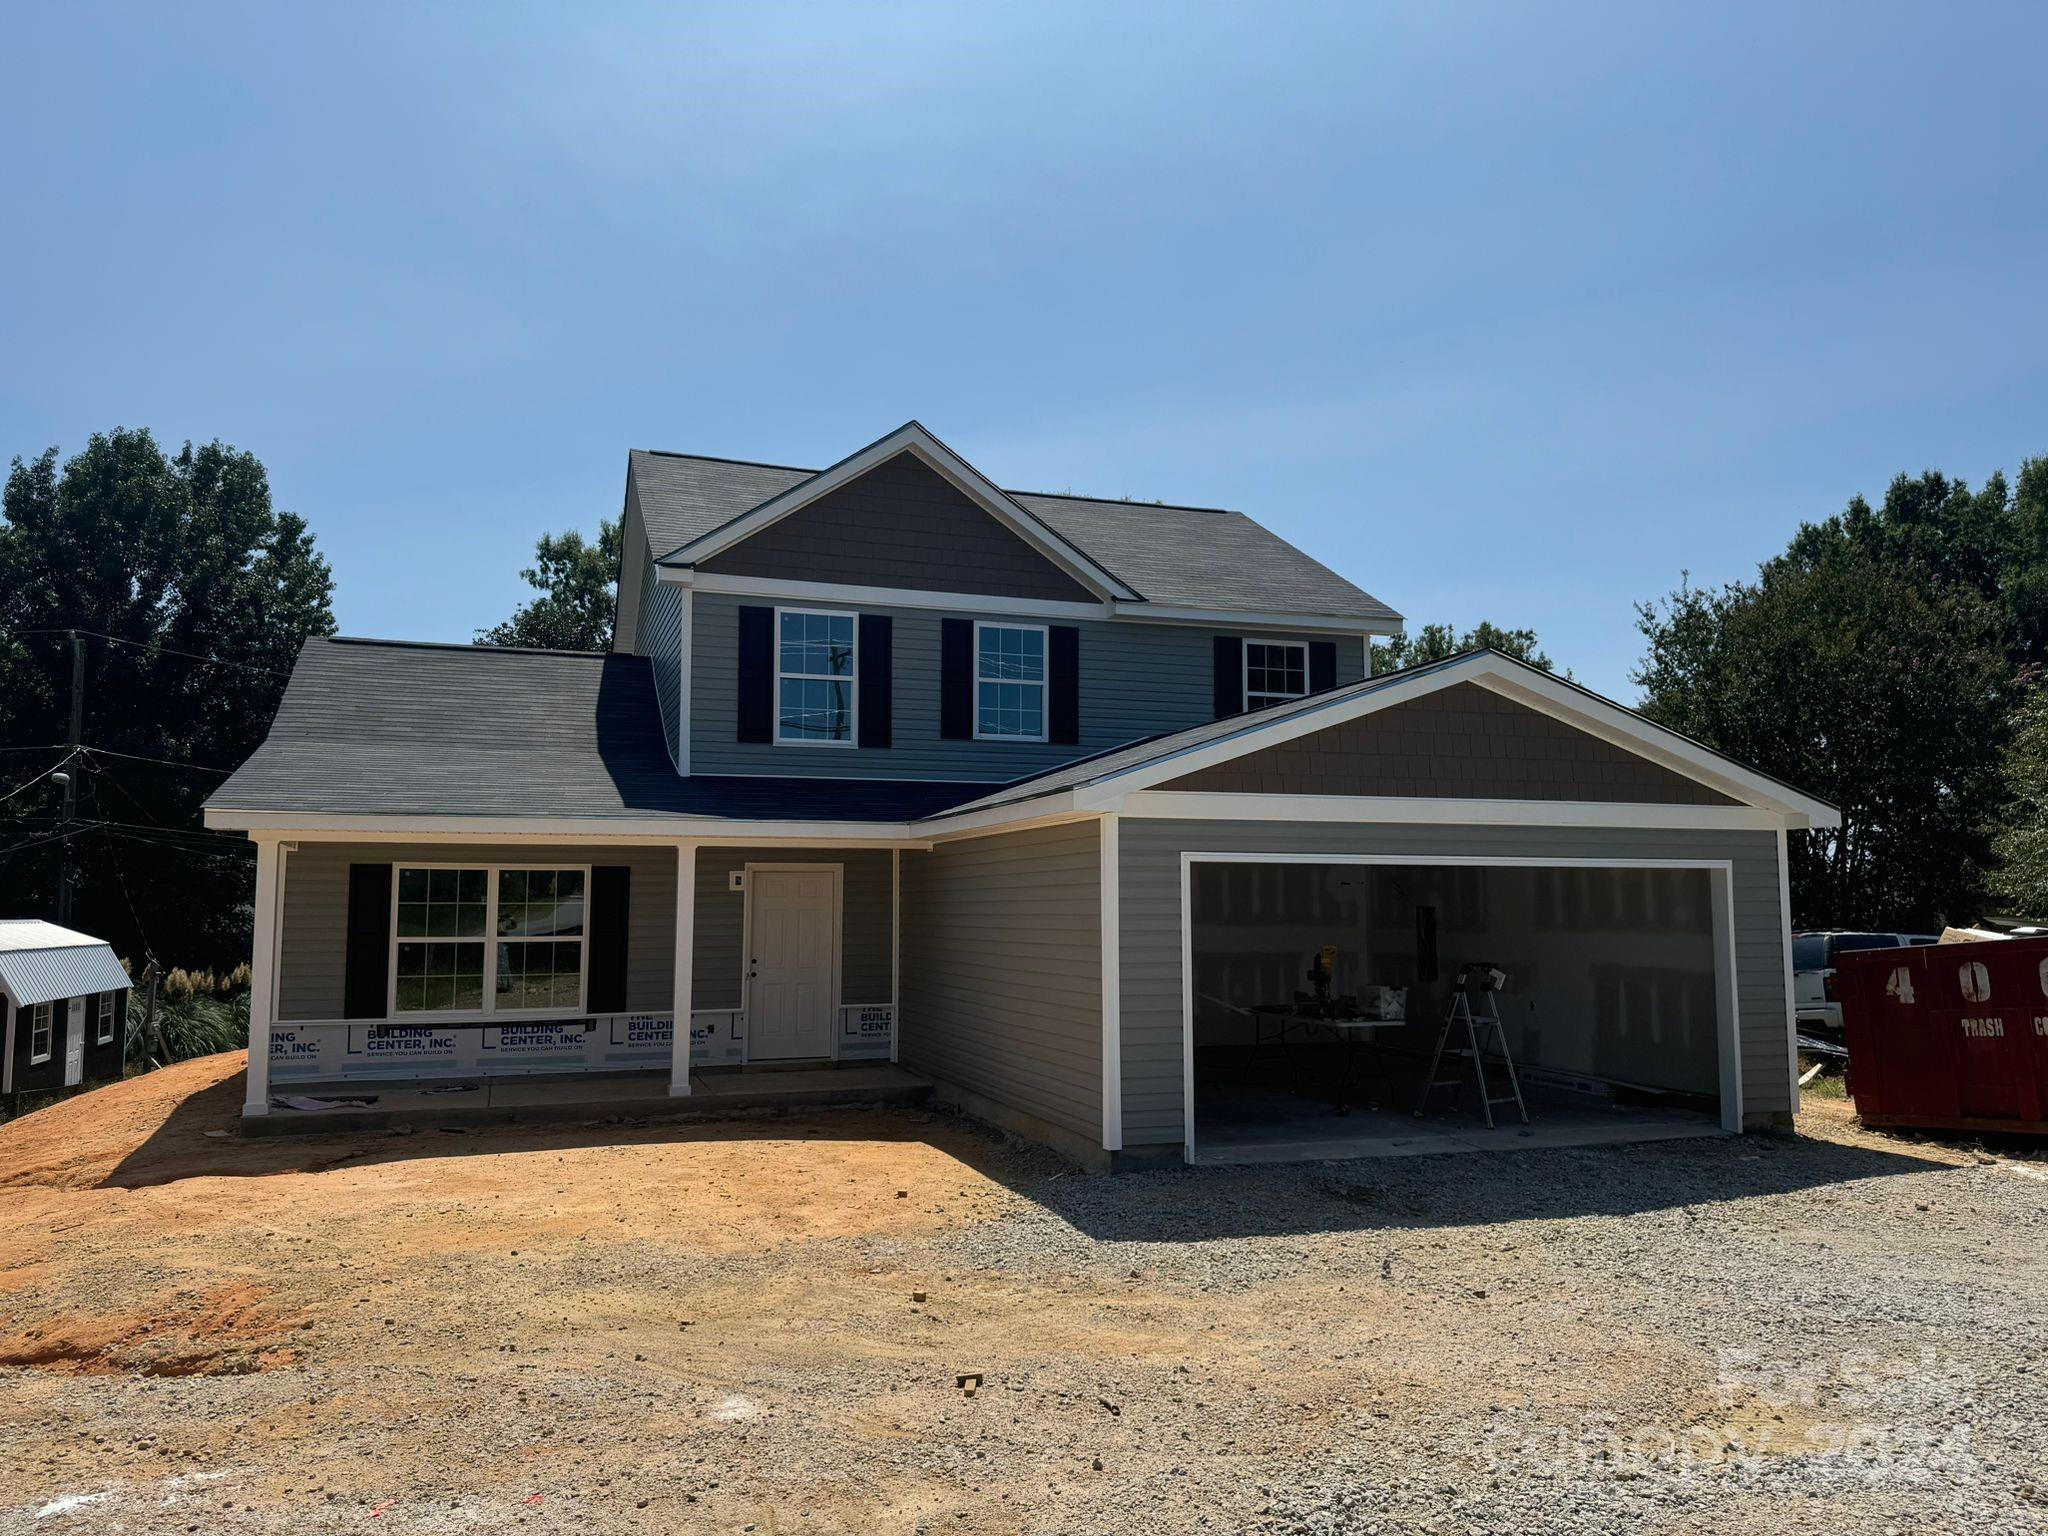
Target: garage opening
(1320,989)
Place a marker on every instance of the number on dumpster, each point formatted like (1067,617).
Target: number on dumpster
(1976,981)
(1900,987)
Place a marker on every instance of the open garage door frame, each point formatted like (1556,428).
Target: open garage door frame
(1721,882)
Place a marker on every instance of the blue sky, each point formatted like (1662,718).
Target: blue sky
(1504,312)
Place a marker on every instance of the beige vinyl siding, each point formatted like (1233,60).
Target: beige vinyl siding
(1150,877)
(313,947)
(863,928)
(1002,971)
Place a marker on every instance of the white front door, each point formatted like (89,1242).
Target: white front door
(74,1044)
(793,924)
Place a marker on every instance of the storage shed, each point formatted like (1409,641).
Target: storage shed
(64,998)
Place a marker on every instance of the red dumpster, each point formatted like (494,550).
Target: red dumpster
(1948,1036)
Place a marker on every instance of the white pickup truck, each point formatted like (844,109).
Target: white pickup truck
(1813,975)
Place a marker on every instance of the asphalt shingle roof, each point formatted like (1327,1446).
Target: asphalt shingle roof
(1196,556)
(376,727)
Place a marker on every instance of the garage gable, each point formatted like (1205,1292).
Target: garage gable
(1462,742)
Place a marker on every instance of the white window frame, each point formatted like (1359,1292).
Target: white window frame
(1244,668)
(852,680)
(490,941)
(41,1022)
(103,1030)
(1044,684)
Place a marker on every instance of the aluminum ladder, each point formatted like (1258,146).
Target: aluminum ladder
(1477,1027)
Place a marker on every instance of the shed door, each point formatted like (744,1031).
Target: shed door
(74,1044)
(794,930)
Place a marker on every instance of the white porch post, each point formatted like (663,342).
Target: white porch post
(895,950)
(262,978)
(686,956)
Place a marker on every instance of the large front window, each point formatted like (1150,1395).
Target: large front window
(814,677)
(1274,672)
(522,929)
(1009,682)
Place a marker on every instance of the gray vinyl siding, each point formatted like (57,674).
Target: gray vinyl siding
(1151,932)
(1002,971)
(863,930)
(660,641)
(313,948)
(1137,680)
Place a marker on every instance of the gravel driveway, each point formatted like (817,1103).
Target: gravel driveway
(762,1327)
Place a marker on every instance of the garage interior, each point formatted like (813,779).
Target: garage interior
(1612,1006)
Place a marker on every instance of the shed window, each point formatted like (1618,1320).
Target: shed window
(1274,672)
(1009,682)
(521,928)
(814,677)
(39,1032)
(105,1034)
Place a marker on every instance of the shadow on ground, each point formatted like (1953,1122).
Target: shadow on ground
(1171,1204)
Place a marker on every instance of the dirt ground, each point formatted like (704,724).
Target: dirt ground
(762,1326)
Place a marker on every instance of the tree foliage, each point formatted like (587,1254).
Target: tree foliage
(2020,879)
(577,582)
(207,592)
(1434,642)
(1873,663)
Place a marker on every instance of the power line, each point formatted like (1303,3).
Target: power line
(31,783)
(168,650)
(168,762)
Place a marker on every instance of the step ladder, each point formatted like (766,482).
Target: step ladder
(1478,1027)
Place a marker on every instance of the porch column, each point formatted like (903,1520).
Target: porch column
(685,969)
(262,978)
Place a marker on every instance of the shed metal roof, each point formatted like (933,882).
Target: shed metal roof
(41,962)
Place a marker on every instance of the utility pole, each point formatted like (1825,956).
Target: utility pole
(71,779)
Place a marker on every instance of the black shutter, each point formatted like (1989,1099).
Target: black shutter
(1322,665)
(611,893)
(1063,685)
(366,979)
(956,679)
(757,674)
(876,706)
(1229,676)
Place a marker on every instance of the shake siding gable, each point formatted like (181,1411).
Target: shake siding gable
(901,524)
(1465,742)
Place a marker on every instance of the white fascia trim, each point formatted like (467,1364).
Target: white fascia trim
(1226,618)
(1052,811)
(1791,1000)
(911,437)
(1111,919)
(1611,723)
(1185,805)
(1630,731)
(431,829)
(880,597)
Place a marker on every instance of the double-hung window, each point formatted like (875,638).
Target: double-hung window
(814,677)
(39,1034)
(1274,672)
(488,940)
(1009,682)
(105,1033)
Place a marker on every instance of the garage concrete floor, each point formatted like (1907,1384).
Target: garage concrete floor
(1275,1119)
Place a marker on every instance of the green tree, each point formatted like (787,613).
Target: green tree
(1860,679)
(577,582)
(2021,878)
(197,595)
(1434,642)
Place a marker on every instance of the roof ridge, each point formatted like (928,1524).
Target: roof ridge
(461,645)
(719,458)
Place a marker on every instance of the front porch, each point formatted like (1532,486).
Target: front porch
(465,1102)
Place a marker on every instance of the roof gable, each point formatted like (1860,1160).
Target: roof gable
(1464,742)
(900,524)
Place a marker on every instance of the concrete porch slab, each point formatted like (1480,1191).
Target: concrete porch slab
(357,1106)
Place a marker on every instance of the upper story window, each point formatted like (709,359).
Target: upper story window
(522,928)
(39,1033)
(814,677)
(1274,672)
(1009,682)
(105,1034)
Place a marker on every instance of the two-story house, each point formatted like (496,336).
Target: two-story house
(1038,795)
